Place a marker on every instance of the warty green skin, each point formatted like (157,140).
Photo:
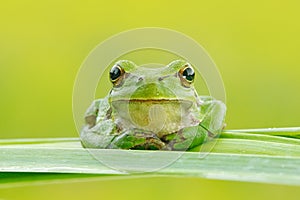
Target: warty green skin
(152,109)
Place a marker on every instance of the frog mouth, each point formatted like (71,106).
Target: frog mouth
(182,102)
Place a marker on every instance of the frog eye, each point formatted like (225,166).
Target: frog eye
(116,74)
(187,75)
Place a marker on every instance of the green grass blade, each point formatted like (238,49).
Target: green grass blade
(260,137)
(286,132)
(36,141)
(13,177)
(255,147)
(236,156)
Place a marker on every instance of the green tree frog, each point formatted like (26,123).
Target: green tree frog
(152,108)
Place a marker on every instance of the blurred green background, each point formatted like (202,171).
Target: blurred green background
(255,45)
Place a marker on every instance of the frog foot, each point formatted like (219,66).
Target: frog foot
(151,143)
(185,138)
(137,139)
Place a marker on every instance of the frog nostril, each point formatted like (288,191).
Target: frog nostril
(140,79)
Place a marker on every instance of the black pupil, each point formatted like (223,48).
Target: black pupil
(188,74)
(115,73)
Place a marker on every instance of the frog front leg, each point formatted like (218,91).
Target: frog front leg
(211,124)
(101,132)
(213,114)
(100,136)
(99,129)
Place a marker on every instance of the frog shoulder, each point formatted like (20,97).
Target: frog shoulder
(98,105)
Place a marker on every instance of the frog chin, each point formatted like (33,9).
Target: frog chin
(159,116)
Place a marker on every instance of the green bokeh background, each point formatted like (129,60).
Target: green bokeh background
(255,45)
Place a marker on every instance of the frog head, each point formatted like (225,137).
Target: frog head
(162,100)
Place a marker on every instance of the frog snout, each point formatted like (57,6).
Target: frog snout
(148,80)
